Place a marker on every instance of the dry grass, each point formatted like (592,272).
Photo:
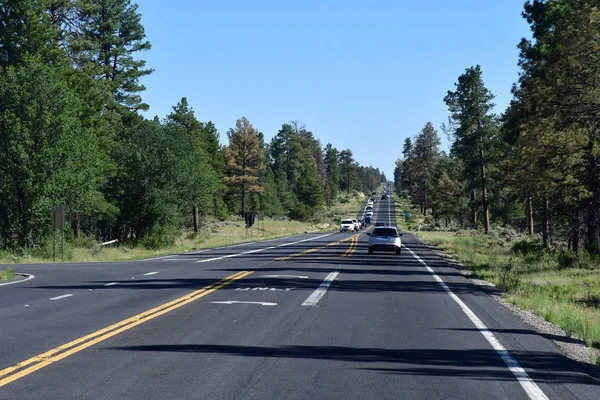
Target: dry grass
(213,234)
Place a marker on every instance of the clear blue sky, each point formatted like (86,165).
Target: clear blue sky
(362,75)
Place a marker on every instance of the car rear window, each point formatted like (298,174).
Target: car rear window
(384,232)
(347,222)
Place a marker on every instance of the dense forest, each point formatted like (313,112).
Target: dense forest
(535,167)
(71,133)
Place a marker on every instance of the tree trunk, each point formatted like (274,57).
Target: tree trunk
(243,199)
(594,202)
(195,211)
(486,214)
(76,226)
(425,204)
(546,223)
(473,210)
(575,232)
(529,216)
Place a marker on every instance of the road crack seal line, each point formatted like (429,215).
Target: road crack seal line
(40,361)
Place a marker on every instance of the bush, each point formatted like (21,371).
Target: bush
(526,247)
(301,213)
(161,237)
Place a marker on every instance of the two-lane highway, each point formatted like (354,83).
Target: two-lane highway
(309,317)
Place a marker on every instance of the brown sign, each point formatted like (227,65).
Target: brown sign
(58,217)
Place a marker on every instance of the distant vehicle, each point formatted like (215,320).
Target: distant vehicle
(385,238)
(384,197)
(367,220)
(347,225)
(380,224)
(356,224)
(369,207)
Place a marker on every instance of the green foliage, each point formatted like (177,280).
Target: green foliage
(46,156)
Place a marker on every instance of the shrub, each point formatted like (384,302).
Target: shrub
(162,236)
(525,247)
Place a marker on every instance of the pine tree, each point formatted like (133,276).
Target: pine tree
(472,126)
(245,160)
(109,37)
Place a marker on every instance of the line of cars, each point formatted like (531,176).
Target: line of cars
(382,237)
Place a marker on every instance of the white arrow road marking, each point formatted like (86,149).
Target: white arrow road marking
(151,273)
(61,297)
(244,302)
(531,388)
(286,276)
(314,298)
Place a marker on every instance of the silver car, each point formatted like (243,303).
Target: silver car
(385,238)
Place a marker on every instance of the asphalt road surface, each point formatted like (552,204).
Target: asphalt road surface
(304,317)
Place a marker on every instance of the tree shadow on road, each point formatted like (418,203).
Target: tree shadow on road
(472,364)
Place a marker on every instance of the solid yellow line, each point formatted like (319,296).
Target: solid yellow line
(48,357)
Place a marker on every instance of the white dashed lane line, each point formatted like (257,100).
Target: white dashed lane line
(111,284)
(61,297)
(314,298)
(151,273)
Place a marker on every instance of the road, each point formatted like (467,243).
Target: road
(306,317)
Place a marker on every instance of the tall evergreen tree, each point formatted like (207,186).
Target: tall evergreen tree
(347,169)
(245,160)
(472,126)
(110,36)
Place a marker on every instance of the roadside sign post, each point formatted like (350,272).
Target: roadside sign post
(58,222)
(260,215)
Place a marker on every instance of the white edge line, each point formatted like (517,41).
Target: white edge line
(29,277)
(151,273)
(531,388)
(263,249)
(319,292)
(61,297)
(228,247)
(157,258)
(305,240)
(244,302)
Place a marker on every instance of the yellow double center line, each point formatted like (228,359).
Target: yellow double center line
(353,238)
(352,248)
(40,361)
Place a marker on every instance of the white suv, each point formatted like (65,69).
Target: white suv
(347,225)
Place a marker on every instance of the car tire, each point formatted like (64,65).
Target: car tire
(370,251)
(398,251)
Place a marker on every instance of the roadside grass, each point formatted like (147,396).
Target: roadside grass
(562,288)
(7,275)
(213,233)
(346,205)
